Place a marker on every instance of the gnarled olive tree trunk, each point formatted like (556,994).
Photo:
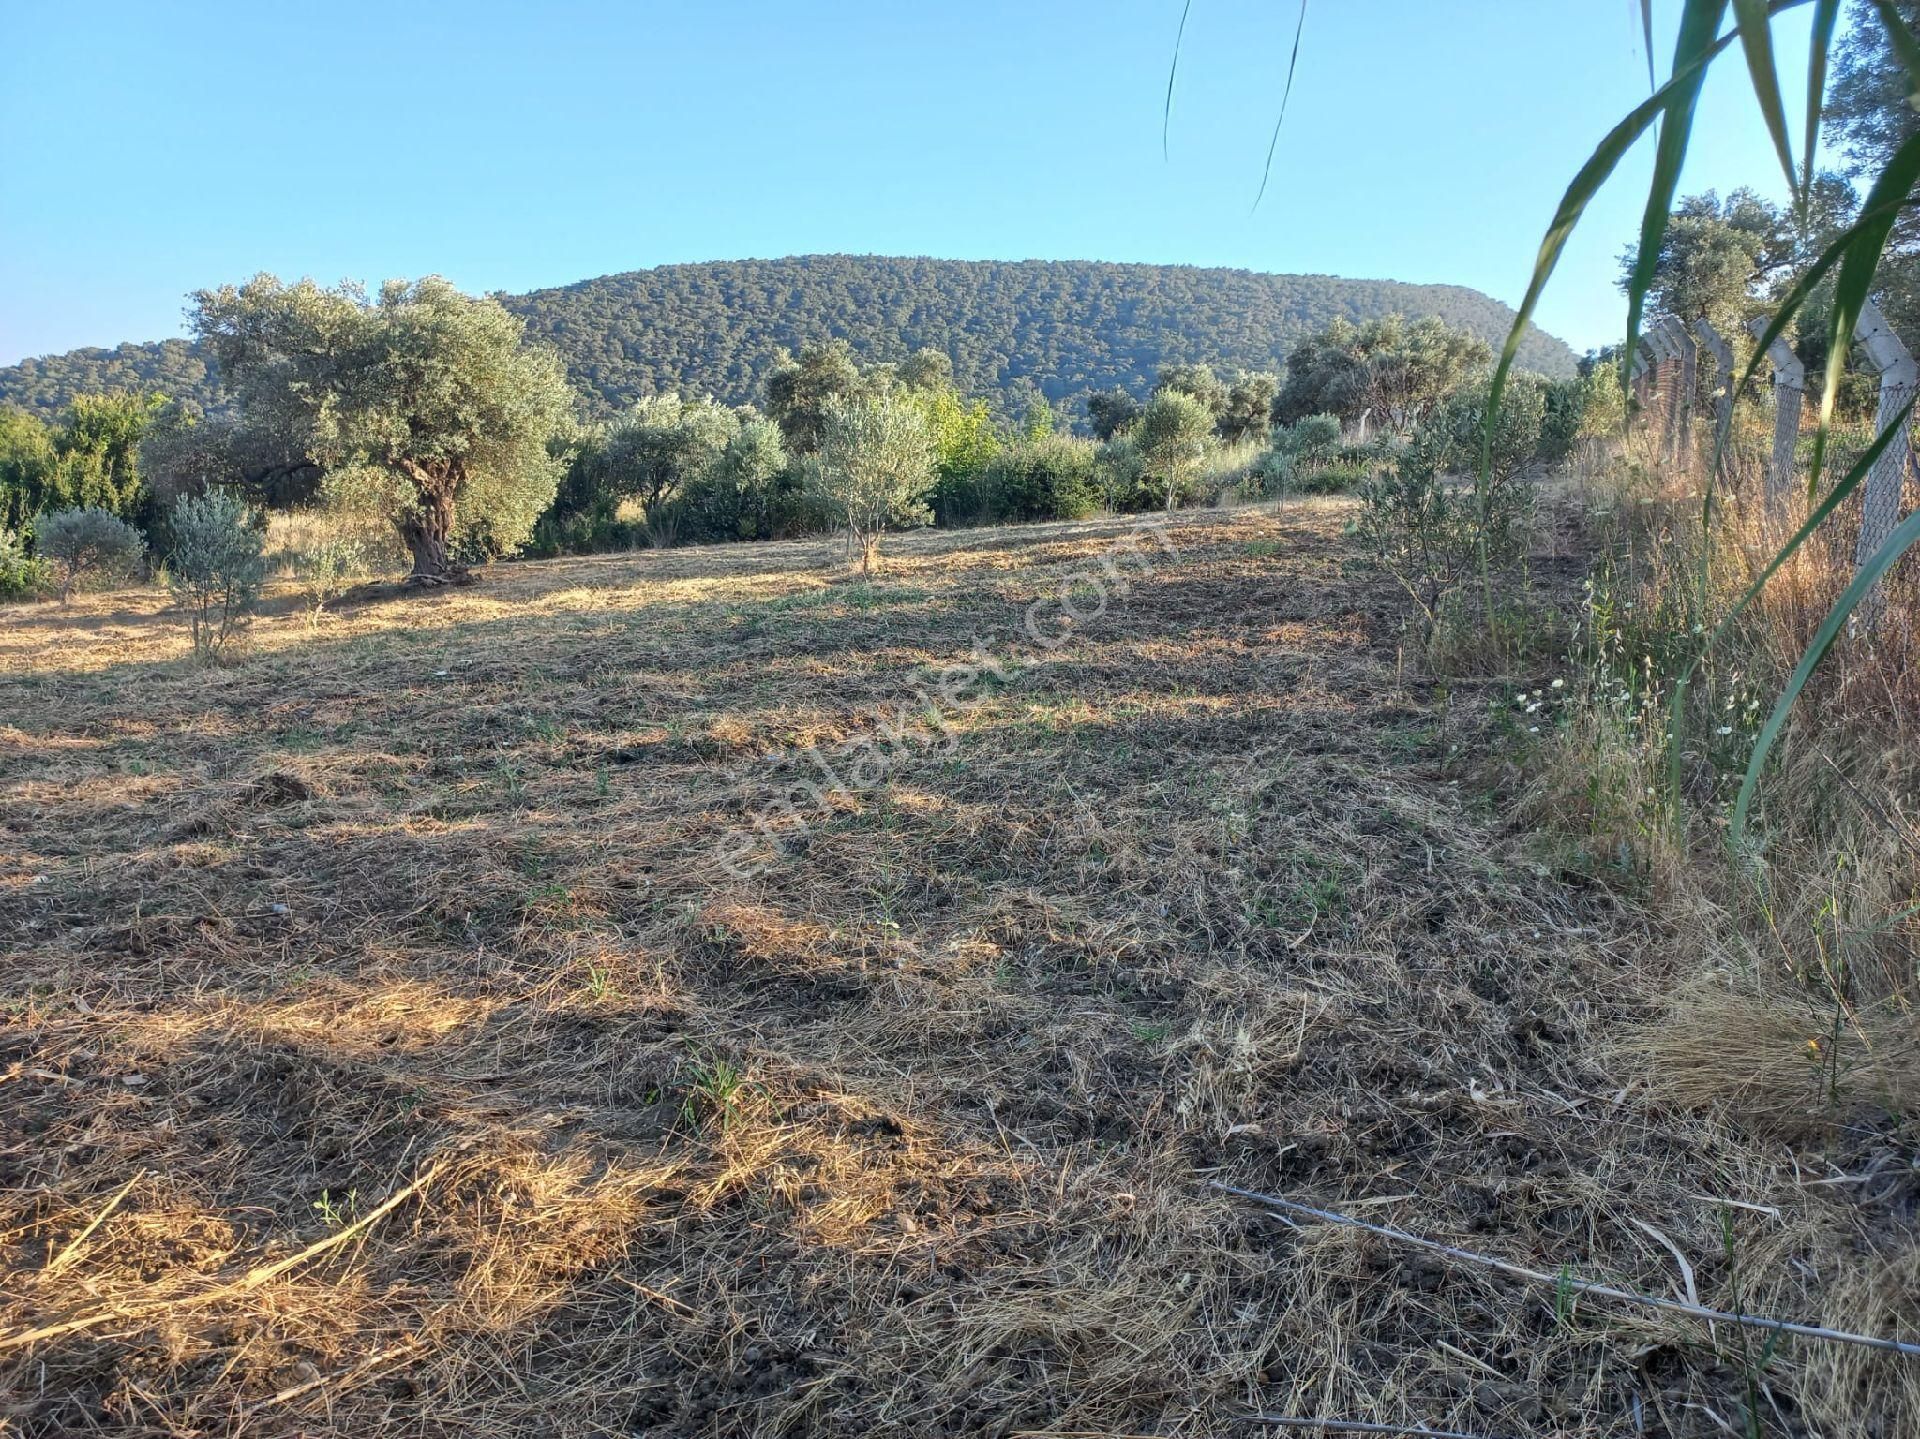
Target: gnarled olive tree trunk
(428,526)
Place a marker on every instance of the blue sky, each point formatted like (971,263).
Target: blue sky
(154,149)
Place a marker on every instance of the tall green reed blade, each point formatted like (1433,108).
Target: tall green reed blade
(1676,710)
(1646,40)
(1825,14)
(1699,23)
(1892,188)
(1756,39)
(1586,184)
(1903,536)
(1905,46)
(1285,95)
(1166,115)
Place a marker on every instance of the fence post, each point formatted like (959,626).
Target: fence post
(1722,354)
(1646,378)
(1680,433)
(1666,371)
(1789,385)
(1886,482)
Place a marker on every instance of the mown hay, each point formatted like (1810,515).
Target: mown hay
(906,1132)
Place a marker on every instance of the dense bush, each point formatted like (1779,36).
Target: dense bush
(87,459)
(965,444)
(1120,473)
(749,492)
(1563,415)
(1111,411)
(216,568)
(1350,468)
(22,576)
(1603,399)
(1311,438)
(87,544)
(1051,478)
(673,471)
(1307,457)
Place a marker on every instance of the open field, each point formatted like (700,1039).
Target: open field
(900,1125)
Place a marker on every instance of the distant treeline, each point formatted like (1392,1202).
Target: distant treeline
(1015,332)
(482,453)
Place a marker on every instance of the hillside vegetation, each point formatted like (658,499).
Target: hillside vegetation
(1061,329)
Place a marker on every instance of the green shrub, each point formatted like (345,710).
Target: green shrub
(1428,530)
(87,544)
(1310,438)
(1307,456)
(217,567)
(1120,474)
(326,571)
(22,576)
(1340,476)
(1050,478)
(594,530)
(1562,419)
(1272,473)
(963,497)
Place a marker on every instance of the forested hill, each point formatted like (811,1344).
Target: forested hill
(48,382)
(1064,327)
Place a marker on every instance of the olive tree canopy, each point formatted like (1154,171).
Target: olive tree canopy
(876,468)
(1397,371)
(1172,432)
(422,406)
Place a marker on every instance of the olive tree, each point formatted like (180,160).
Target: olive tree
(875,468)
(1428,530)
(1249,409)
(661,448)
(216,567)
(422,405)
(87,543)
(1397,372)
(185,452)
(1172,433)
(1199,381)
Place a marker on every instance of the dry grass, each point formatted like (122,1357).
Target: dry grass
(1780,1059)
(909,1133)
